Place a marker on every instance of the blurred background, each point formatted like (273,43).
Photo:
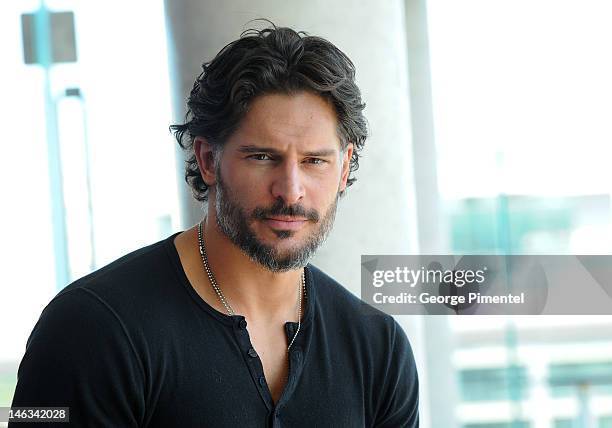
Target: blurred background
(491,133)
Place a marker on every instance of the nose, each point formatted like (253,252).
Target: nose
(287,183)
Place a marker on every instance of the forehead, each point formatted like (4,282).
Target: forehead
(302,120)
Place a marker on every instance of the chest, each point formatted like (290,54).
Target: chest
(271,346)
(205,375)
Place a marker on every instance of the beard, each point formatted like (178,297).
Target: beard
(235,223)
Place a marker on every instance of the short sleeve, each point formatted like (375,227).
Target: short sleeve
(80,356)
(399,406)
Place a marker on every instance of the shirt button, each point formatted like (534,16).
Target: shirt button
(252,353)
(242,324)
(262,380)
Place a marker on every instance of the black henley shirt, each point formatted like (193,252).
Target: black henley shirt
(134,345)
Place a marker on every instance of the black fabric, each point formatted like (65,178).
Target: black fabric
(133,344)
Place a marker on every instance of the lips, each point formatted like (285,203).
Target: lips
(285,223)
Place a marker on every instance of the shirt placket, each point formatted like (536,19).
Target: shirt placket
(255,367)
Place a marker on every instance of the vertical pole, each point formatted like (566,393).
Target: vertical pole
(42,31)
(585,419)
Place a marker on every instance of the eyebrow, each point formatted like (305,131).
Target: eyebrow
(262,149)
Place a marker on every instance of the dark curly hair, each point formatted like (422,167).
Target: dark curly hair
(273,60)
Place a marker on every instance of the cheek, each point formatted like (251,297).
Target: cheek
(249,192)
(325,178)
(236,178)
(241,188)
(323,193)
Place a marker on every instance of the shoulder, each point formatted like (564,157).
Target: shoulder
(135,284)
(106,309)
(378,348)
(79,354)
(138,266)
(103,303)
(333,296)
(78,317)
(135,295)
(362,322)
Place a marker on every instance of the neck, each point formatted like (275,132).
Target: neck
(249,288)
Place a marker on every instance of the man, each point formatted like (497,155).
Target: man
(226,324)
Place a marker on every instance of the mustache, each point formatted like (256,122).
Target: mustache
(279,208)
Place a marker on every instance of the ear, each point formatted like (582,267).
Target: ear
(205,157)
(346,163)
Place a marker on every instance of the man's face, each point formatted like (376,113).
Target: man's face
(278,179)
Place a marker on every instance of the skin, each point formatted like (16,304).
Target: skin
(285,147)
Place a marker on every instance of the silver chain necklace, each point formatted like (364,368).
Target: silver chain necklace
(228,307)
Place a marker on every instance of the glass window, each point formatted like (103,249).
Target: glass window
(491,384)
(605,422)
(521,102)
(517,424)
(565,379)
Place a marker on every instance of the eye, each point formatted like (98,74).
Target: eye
(316,161)
(260,157)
